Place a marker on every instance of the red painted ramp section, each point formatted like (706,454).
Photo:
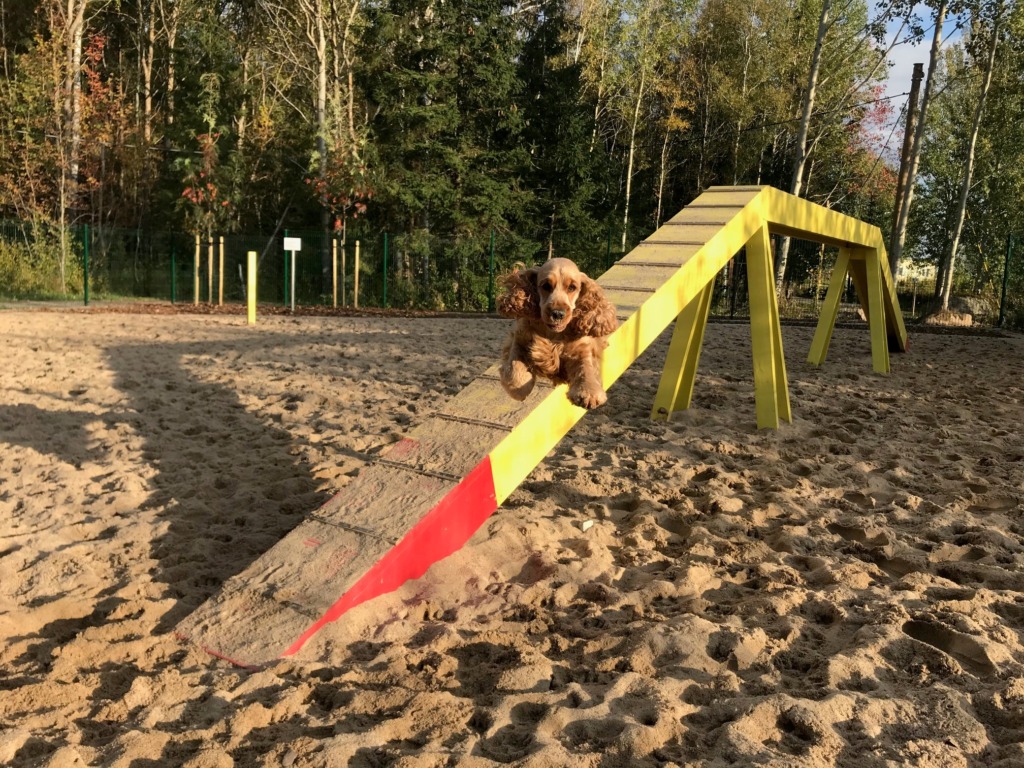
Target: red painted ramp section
(419,502)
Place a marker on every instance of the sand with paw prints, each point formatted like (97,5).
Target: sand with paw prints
(845,591)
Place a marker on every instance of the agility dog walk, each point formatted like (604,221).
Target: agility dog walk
(424,497)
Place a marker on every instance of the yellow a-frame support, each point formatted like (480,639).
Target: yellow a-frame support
(862,257)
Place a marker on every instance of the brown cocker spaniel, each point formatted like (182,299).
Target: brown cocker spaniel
(562,321)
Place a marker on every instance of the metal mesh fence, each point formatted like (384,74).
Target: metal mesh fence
(410,271)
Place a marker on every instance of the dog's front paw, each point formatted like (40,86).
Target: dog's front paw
(517,379)
(587,397)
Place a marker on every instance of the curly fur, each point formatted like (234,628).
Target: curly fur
(520,297)
(562,321)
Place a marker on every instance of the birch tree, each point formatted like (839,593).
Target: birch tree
(858,63)
(949,262)
(922,122)
(651,34)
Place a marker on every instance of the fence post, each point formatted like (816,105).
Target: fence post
(385,270)
(174,274)
(355,280)
(220,279)
(209,268)
(250,294)
(334,269)
(195,272)
(1006,278)
(286,292)
(490,282)
(85,263)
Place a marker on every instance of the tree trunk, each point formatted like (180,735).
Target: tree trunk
(965,187)
(915,151)
(705,133)
(71,122)
(73,81)
(632,156)
(662,176)
(597,107)
(171,30)
(796,184)
(739,122)
(147,31)
(318,37)
(349,61)
(242,123)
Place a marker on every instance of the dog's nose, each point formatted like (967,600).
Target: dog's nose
(557,314)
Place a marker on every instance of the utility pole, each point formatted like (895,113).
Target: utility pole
(908,142)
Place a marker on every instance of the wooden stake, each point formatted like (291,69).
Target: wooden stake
(195,272)
(250,293)
(209,269)
(220,289)
(334,268)
(355,279)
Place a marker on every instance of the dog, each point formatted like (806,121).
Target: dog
(562,323)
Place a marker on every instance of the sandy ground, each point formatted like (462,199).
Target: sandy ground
(848,590)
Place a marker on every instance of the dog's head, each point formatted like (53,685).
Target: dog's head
(559,295)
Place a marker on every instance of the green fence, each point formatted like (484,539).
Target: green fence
(408,271)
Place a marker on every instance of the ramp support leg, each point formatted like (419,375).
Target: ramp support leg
(675,391)
(830,309)
(864,265)
(876,312)
(771,388)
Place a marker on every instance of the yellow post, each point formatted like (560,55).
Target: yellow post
(220,282)
(355,280)
(830,309)
(209,269)
(343,273)
(771,390)
(195,272)
(876,312)
(675,391)
(334,268)
(250,292)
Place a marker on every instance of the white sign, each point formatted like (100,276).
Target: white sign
(293,244)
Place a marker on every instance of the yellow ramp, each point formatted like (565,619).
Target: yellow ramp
(426,495)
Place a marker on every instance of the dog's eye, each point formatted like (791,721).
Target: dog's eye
(546,286)
(573,287)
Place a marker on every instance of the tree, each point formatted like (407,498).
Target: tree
(859,63)
(949,262)
(922,122)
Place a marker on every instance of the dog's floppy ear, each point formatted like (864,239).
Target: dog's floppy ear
(594,314)
(519,297)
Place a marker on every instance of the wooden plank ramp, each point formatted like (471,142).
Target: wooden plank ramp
(423,497)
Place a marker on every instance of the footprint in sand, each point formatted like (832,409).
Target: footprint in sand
(871,536)
(592,735)
(965,649)
(516,740)
(993,504)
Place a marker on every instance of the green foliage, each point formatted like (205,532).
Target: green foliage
(994,208)
(30,267)
(445,121)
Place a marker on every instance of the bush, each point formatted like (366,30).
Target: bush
(31,269)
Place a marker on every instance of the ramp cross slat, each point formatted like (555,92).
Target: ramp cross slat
(427,494)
